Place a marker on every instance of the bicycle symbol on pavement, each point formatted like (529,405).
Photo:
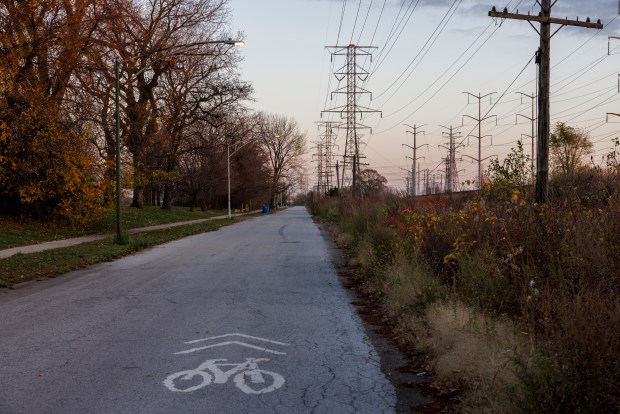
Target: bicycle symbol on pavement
(267,381)
(246,375)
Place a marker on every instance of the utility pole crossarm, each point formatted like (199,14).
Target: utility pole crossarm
(480,120)
(612,114)
(545,19)
(544,62)
(529,118)
(476,159)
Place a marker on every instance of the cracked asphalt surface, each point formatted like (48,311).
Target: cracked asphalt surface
(107,338)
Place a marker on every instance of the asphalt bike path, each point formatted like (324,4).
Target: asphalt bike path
(248,319)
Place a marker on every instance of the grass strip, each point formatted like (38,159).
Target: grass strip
(50,263)
(15,232)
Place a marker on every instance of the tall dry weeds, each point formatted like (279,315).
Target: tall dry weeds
(550,272)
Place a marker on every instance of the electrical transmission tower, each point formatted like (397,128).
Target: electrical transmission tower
(415,158)
(532,119)
(327,139)
(318,158)
(480,136)
(544,60)
(352,72)
(452,178)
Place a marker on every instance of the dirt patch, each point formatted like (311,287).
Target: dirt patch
(406,369)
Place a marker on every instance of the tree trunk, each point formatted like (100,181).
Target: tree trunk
(167,203)
(138,185)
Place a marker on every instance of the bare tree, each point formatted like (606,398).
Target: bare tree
(150,37)
(285,146)
(196,89)
(203,164)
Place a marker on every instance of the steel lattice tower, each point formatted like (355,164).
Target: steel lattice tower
(327,136)
(319,167)
(353,73)
(452,178)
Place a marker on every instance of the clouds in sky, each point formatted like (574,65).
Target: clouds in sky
(570,8)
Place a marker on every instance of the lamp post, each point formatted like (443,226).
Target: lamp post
(118,154)
(228,162)
(231,42)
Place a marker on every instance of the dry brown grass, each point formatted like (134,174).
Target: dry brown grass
(533,318)
(478,353)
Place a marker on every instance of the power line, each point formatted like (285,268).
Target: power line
(432,84)
(331,69)
(421,50)
(365,20)
(372,41)
(574,51)
(344,6)
(382,58)
(359,6)
(504,93)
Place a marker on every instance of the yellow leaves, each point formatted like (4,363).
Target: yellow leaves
(57,175)
(450,259)
(490,219)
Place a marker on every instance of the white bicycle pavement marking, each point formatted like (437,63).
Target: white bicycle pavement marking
(209,372)
(225,343)
(246,375)
(237,334)
(189,351)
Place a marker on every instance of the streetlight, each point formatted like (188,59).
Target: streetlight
(231,42)
(229,216)
(118,154)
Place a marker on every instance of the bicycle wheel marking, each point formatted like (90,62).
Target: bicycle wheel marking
(246,375)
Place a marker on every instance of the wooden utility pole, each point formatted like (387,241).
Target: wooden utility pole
(544,61)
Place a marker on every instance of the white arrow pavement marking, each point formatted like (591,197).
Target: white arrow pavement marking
(237,334)
(189,351)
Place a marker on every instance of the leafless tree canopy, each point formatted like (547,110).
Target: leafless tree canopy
(285,146)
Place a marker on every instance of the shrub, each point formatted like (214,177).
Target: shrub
(551,269)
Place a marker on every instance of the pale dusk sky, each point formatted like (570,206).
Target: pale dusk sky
(428,53)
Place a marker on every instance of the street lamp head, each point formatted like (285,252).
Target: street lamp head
(234,42)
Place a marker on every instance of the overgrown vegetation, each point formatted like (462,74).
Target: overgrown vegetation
(518,303)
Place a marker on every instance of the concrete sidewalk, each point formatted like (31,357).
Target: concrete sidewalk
(57,244)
